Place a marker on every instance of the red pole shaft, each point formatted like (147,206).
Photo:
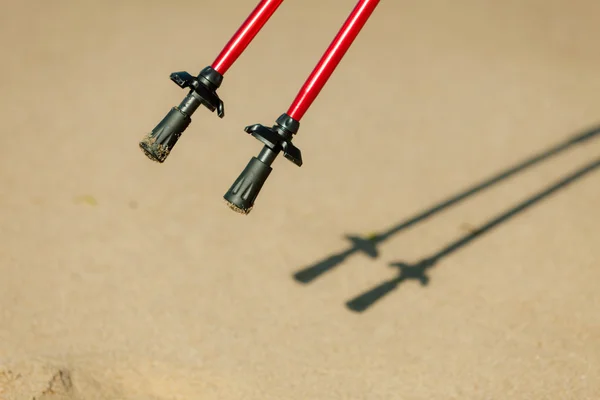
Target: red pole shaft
(245,34)
(331,58)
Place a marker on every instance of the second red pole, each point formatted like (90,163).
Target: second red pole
(242,194)
(331,58)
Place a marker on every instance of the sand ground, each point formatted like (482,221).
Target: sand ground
(456,137)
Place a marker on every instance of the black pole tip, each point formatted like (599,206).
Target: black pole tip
(157,145)
(242,194)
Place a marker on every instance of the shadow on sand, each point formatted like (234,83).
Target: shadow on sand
(418,270)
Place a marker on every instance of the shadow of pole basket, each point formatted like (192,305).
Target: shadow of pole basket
(418,270)
(368,245)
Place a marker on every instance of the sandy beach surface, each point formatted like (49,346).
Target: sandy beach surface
(441,240)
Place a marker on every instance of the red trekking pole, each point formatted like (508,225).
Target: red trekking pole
(158,144)
(242,194)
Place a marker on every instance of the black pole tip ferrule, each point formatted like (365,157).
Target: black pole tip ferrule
(276,139)
(242,194)
(157,145)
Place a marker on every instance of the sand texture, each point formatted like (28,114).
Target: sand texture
(440,241)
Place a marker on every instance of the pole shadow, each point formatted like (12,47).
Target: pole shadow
(417,271)
(368,245)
